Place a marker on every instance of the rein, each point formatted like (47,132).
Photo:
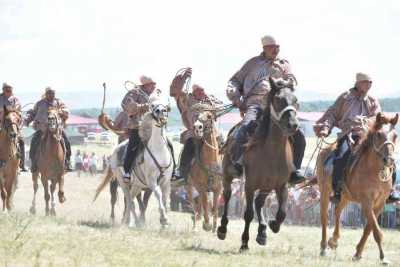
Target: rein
(160,168)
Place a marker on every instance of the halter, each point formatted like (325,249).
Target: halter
(277,116)
(378,149)
(158,124)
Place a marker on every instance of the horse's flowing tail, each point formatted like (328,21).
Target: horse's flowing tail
(106,180)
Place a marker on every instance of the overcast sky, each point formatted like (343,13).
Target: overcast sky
(75,45)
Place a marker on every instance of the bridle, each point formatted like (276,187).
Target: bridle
(378,149)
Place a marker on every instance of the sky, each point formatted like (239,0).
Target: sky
(74,46)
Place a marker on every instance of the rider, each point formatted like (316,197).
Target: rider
(135,105)
(11,103)
(247,90)
(185,101)
(347,114)
(39,115)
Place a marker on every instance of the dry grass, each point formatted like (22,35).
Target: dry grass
(81,235)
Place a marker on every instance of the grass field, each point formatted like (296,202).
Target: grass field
(81,235)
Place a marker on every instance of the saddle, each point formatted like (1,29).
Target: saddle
(123,150)
(351,161)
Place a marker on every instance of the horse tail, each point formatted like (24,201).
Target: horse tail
(106,180)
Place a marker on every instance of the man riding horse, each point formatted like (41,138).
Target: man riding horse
(9,102)
(348,113)
(185,101)
(39,115)
(135,104)
(247,90)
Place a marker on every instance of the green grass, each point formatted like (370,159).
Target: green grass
(82,235)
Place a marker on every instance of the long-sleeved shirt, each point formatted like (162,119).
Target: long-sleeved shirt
(251,81)
(9,103)
(39,113)
(345,112)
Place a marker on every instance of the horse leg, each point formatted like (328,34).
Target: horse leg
(135,192)
(248,217)
(3,196)
(204,204)
(128,204)
(324,206)
(372,225)
(35,177)
(46,193)
(216,194)
(227,192)
(114,195)
(282,195)
(146,197)
(163,215)
(53,204)
(262,226)
(61,195)
(191,201)
(333,241)
(141,207)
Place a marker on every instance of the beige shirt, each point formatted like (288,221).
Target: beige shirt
(344,113)
(10,103)
(135,105)
(251,81)
(39,113)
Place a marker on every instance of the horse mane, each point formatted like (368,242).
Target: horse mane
(146,126)
(264,121)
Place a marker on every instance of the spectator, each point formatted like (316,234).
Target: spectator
(93,164)
(78,163)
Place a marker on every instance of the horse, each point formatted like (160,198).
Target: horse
(205,174)
(109,125)
(267,162)
(51,163)
(9,158)
(368,181)
(153,167)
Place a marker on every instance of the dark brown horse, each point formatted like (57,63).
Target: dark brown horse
(9,159)
(368,181)
(51,163)
(267,162)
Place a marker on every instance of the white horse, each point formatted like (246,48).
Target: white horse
(154,165)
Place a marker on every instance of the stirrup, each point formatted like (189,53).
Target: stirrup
(126,178)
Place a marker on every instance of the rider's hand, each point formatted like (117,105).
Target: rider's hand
(237,103)
(187,73)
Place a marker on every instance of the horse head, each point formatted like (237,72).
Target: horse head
(53,121)
(383,138)
(11,123)
(203,124)
(282,106)
(159,111)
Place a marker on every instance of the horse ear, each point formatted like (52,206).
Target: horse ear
(395,119)
(273,84)
(379,120)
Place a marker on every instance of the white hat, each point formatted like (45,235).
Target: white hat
(363,77)
(48,89)
(268,40)
(145,80)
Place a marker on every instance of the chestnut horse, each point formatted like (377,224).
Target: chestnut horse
(268,162)
(9,158)
(51,161)
(205,174)
(368,181)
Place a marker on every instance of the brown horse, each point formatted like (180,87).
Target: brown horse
(368,181)
(267,162)
(51,161)
(9,159)
(205,174)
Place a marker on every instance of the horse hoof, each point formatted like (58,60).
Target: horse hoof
(32,211)
(262,239)
(385,262)
(61,197)
(275,227)
(207,227)
(221,233)
(244,248)
(332,244)
(356,258)
(323,253)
